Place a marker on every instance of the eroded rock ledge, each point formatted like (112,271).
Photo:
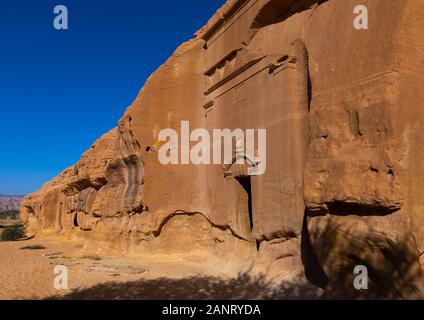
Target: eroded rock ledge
(343,181)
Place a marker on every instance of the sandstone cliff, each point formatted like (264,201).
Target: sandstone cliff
(343,180)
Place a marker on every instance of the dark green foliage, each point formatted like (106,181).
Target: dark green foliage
(13,233)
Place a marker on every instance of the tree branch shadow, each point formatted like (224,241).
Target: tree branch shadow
(394,271)
(243,287)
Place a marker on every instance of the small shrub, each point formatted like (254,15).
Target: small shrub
(95,258)
(34,247)
(13,233)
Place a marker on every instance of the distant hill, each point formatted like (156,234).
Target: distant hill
(10,203)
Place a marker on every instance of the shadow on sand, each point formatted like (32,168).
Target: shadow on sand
(394,273)
(243,287)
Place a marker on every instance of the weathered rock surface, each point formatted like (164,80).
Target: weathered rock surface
(342,109)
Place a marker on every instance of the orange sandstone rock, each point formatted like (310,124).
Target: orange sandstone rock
(344,177)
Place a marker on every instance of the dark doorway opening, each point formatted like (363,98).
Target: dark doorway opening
(76,220)
(246,183)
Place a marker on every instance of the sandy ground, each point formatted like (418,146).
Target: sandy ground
(29,274)
(7,223)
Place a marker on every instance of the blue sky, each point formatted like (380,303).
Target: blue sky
(61,90)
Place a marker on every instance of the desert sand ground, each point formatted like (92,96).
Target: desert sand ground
(8,222)
(29,274)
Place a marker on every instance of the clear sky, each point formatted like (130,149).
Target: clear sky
(61,90)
